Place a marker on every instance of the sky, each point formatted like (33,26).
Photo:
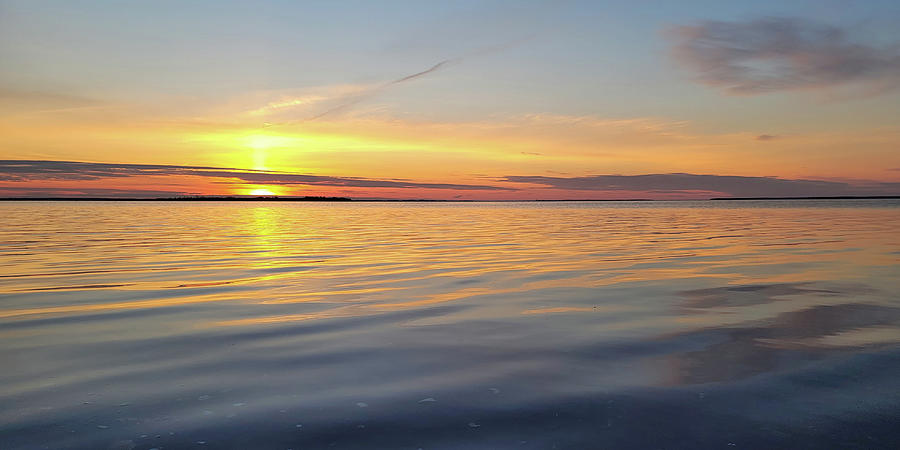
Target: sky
(471,100)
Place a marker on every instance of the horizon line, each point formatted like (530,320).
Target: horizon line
(228,198)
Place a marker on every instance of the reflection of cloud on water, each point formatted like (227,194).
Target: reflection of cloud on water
(785,340)
(759,294)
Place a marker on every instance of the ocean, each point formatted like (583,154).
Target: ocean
(539,325)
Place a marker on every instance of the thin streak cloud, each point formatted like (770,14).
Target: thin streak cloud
(356,98)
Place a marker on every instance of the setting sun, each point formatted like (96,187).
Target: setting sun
(261,192)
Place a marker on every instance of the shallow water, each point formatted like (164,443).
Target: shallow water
(453,325)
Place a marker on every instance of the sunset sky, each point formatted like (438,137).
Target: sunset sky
(479,99)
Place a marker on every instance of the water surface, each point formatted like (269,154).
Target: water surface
(462,325)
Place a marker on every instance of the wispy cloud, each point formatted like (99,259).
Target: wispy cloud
(783,54)
(353,99)
(766,137)
(686,183)
(287,103)
(35,170)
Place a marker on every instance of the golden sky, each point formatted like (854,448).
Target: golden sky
(543,105)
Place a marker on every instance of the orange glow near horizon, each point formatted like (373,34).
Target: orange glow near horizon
(423,152)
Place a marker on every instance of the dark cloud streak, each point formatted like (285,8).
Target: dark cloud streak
(424,72)
(686,183)
(21,172)
(75,192)
(33,170)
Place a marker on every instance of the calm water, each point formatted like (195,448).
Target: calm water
(511,325)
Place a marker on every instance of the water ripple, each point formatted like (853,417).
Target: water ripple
(527,325)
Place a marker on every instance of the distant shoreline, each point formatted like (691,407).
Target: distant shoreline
(180,199)
(838,197)
(347,199)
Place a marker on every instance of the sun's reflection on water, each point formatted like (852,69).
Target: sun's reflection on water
(335,304)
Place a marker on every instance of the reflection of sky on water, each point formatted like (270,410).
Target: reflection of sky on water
(557,324)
